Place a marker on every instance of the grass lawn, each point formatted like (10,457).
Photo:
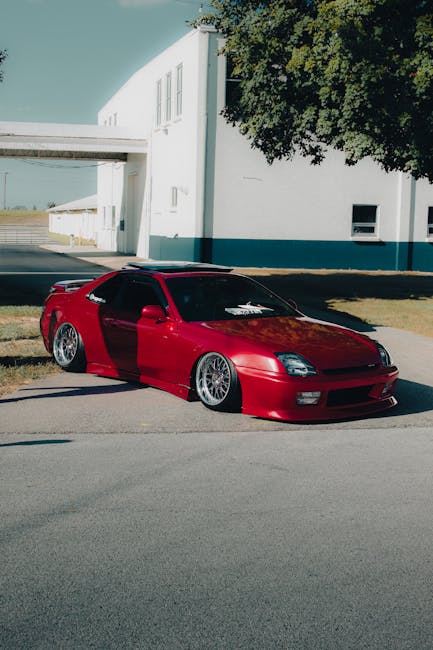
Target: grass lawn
(413,315)
(24,217)
(23,357)
(401,300)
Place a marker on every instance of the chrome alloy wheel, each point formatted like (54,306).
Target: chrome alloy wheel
(66,344)
(213,379)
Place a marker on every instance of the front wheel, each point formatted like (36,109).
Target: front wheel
(68,349)
(217,383)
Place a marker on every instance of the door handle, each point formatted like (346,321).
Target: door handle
(112,322)
(125,325)
(121,324)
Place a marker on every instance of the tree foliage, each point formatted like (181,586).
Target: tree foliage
(355,75)
(3,55)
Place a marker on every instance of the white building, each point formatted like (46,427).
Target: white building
(201,193)
(77,218)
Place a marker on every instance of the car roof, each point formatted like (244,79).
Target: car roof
(177,267)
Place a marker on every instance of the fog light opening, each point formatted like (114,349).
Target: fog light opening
(308,398)
(387,389)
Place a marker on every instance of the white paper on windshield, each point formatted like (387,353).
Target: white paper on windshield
(246,310)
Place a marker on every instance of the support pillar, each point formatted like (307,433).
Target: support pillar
(405,222)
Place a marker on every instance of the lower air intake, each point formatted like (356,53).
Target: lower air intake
(347,396)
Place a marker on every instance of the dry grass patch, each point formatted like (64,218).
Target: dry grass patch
(394,299)
(65,240)
(413,315)
(24,217)
(23,357)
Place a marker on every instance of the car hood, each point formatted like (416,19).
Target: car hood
(325,345)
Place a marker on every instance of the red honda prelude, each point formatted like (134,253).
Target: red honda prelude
(200,331)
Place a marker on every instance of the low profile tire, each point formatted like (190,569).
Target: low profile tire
(217,383)
(68,349)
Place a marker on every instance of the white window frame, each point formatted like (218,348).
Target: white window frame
(179,89)
(168,87)
(158,102)
(430,223)
(361,230)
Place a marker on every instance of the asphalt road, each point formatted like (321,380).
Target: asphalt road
(132,519)
(307,539)
(29,272)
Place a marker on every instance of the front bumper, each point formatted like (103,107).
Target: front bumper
(273,395)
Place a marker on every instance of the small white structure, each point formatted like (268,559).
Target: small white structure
(202,193)
(78,219)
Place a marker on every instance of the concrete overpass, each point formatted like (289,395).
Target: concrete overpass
(69,141)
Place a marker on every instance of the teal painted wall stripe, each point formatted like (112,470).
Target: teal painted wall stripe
(179,248)
(422,256)
(296,254)
(401,256)
(304,254)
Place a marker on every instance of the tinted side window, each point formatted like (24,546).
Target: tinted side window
(129,293)
(107,291)
(135,294)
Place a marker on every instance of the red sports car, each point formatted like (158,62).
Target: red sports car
(197,330)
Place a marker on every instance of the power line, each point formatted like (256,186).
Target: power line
(60,166)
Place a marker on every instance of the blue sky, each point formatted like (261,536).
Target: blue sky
(66,59)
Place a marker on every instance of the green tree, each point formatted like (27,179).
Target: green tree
(355,75)
(3,55)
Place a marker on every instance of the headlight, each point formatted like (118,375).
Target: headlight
(385,357)
(295,364)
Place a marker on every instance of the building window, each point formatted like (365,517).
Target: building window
(179,89)
(364,220)
(430,223)
(113,217)
(233,84)
(168,96)
(114,119)
(173,198)
(158,102)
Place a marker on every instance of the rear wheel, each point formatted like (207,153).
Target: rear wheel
(68,349)
(217,383)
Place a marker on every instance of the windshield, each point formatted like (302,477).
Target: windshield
(224,297)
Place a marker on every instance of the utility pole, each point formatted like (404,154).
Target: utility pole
(4,189)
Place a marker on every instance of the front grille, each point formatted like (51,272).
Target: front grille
(347,396)
(351,370)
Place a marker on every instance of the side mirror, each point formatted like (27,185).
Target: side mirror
(153,312)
